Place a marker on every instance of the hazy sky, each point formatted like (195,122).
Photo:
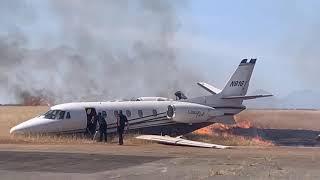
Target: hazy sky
(215,36)
(283,35)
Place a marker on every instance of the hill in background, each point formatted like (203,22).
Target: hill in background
(306,99)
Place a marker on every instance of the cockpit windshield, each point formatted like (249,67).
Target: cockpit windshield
(54,114)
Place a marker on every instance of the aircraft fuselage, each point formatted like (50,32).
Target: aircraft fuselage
(147,117)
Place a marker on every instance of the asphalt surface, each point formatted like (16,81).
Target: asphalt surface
(68,162)
(156,162)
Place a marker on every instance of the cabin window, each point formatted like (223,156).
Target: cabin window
(154,112)
(140,113)
(128,113)
(170,111)
(104,114)
(61,114)
(48,114)
(68,115)
(52,114)
(116,113)
(56,114)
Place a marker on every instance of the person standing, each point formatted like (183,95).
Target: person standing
(94,122)
(102,127)
(91,126)
(121,123)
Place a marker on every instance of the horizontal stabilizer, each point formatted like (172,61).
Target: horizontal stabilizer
(247,97)
(180,141)
(209,88)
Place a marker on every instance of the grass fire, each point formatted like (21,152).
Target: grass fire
(221,133)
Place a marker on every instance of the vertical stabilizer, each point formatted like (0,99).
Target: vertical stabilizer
(239,81)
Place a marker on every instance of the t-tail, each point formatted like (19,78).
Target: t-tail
(238,85)
(239,81)
(228,101)
(236,89)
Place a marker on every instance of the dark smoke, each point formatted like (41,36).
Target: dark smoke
(41,99)
(103,50)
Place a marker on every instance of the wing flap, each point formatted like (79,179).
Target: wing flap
(180,141)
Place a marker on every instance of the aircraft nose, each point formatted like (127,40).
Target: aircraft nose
(23,127)
(34,125)
(19,129)
(12,130)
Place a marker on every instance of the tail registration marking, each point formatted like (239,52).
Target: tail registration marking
(237,83)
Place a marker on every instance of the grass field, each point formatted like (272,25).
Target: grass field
(280,119)
(13,115)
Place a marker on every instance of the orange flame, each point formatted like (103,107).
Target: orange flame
(227,131)
(245,124)
(223,128)
(259,140)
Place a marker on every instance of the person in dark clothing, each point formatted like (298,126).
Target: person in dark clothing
(102,127)
(94,122)
(121,123)
(91,126)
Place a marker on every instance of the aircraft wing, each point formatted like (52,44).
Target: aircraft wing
(247,97)
(180,141)
(209,88)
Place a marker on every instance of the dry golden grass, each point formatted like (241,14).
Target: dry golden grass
(13,115)
(129,139)
(282,119)
(45,139)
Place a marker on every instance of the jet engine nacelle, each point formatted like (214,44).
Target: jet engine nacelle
(191,113)
(152,99)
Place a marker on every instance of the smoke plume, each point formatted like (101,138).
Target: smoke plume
(101,50)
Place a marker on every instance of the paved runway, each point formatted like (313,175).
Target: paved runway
(68,162)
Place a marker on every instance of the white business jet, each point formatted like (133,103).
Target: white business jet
(152,115)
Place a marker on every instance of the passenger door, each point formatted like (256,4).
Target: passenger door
(91,123)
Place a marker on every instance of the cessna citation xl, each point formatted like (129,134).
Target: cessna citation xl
(152,115)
